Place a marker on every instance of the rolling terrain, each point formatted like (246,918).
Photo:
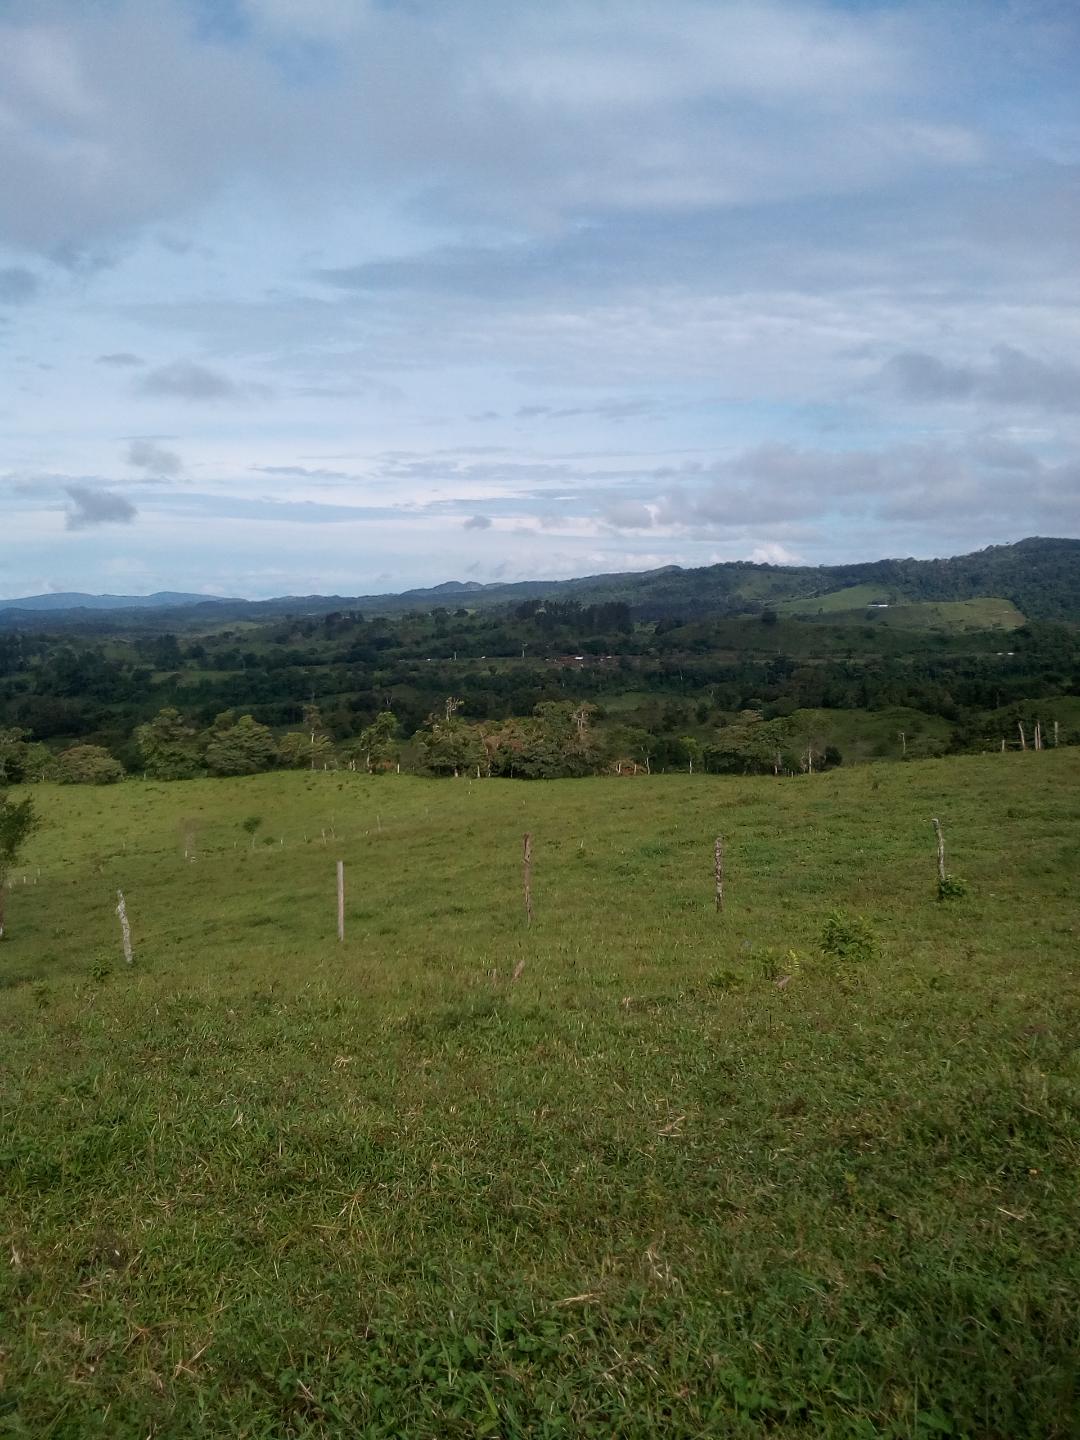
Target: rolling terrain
(1039,577)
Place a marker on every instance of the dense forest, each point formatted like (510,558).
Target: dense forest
(540,687)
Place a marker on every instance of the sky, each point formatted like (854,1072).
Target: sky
(342,296)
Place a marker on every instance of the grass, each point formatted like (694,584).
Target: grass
(835,602)
(688,1176)
(986,613)
(854,602)
(863,735)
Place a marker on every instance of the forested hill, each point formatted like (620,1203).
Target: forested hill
(1040,576)
(77,600)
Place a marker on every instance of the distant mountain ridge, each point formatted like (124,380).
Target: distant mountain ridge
(1039,575)
(76,600)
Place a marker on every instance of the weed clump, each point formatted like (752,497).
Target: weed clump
(774,966)
(723,979)
(847,940)
(951,887)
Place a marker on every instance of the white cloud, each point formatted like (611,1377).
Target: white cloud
(772,553)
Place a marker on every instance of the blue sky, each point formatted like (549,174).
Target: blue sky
(341,296)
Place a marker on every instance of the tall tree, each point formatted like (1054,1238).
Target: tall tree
(168,747)
(23,759)
(241,748)
(376,742)
(448,744)
(297,749)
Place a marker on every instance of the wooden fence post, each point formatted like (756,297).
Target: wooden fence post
(341,900)
(125,928)
(526,876)
(718,871)
(940,850)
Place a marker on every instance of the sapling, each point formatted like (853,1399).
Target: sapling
(17,823)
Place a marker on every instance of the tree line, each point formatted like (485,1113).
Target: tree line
(668,694)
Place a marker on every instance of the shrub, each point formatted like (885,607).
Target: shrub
(848,939)
(87,765)
(723,979)
(772,965)
(951,887)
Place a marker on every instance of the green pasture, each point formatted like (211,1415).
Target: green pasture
(686,1175)
(835,602)
(856,604)
(986,613)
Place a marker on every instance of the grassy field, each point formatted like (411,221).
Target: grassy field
(687,1175)
(855,602)
(865,735)
(835,602)
(953,615)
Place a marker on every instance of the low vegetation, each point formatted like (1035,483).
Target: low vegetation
(805,1167)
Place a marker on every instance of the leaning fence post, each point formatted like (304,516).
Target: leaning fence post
(940,851)
(125,928)
(718,871)
(526,878)
(341,900)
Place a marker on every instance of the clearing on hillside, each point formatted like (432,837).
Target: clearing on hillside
(858,603)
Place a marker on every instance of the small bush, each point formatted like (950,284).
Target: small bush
(721,979)
(774,965)
(951,887)
(848,939)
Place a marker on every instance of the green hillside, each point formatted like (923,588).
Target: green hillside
(988,613)
(857,604)
(851,598)
(1039,576)
(687,1174)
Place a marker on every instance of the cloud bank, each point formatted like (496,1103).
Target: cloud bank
(538,288)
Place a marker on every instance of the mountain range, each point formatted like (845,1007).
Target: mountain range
(76,600)
(1040,576)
